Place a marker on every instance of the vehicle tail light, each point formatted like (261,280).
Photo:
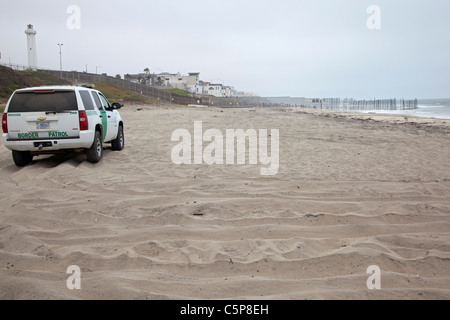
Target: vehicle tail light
(83,120)
(5,123)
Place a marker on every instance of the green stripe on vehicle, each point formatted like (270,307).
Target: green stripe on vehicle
(104,123)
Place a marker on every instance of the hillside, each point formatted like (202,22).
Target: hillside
(43,79)
(114,93)
(11,80)
(179,92)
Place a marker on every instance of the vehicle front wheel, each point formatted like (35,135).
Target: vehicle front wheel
(119,142)
(95,152)
(22,158)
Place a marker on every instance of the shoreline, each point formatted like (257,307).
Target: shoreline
(426,123)
(379,116)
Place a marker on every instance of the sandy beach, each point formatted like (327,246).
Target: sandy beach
(352,191)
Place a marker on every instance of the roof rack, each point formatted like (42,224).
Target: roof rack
(86,85)
(54,85)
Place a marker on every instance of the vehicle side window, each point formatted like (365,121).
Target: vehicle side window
(97,100)
(105,103)
(87,100)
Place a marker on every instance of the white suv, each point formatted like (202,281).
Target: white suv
(55,119)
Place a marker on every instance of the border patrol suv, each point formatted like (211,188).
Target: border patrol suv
(56,119)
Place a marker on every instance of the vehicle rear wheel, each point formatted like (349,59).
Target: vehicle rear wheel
(95,152)
(22,158)
(119,142)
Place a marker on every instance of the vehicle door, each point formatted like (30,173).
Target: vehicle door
(106,116)
(110,118)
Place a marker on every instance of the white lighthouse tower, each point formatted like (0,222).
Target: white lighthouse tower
(31,47)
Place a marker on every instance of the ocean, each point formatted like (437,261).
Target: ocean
(430,108)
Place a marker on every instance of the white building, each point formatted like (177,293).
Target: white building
(176,80)
(213,89)
(192,79)
(190,83)
(219,90)
(195,89)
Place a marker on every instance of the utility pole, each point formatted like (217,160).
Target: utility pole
(60,59)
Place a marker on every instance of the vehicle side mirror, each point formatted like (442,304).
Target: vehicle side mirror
(116,105)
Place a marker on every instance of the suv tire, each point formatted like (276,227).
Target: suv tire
(22,158)
(118,143)
(95,152)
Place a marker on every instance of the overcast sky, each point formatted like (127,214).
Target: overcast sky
(309,48)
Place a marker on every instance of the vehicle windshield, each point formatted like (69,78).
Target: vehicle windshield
(52,101)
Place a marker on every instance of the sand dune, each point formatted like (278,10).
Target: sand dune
(350,192)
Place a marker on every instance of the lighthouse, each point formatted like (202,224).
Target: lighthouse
(31,47)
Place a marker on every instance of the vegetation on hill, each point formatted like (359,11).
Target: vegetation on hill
(11,80)
(43,79)
(117,94)
(179,92)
